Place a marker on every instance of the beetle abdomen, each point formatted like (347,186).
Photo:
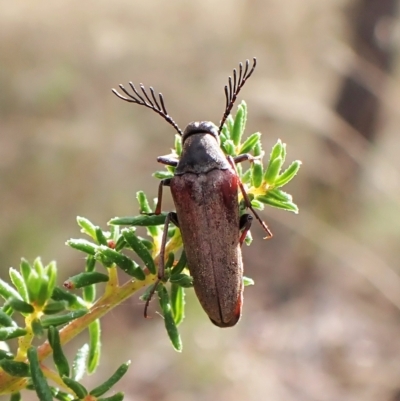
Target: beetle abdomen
(208,212)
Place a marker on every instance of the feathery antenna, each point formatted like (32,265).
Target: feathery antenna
(145,100)
(231,91)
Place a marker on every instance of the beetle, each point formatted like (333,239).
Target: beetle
(205,190)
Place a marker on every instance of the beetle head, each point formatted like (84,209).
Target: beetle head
(202,127)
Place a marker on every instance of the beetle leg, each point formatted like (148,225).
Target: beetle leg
(248,204)
(171,217)
(174,219)
(163,183)
(168,160)
(244,226)
(245,157)
(246,198)
(146,306)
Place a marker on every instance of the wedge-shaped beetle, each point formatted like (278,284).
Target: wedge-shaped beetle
(205,189)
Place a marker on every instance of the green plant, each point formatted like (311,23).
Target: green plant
(46,307)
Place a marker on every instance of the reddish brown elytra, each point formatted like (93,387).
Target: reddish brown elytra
(205,190)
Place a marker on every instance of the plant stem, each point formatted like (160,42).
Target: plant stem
(107,302)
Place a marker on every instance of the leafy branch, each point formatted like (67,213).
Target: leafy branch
(60,314)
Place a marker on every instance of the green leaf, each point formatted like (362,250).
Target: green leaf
(283,152)
(34,285)
(127,265)
(37,327)
(42,295)
(248,239)
(15,396)
(249,143)
(100,237)
(178,144)
(222,137)
(90,263)
(116,397)
(15,368)
(108,384)
(94,345)
(114,232)
(58,320)
(82,245)
(169,321)
(178,303)
(239,123)
(6,354)
(290,206)
(148,244)
(84,279)
(6,333)
(89,293)
(162,175)
(87,227)
(247,281)
(51,271)
(148,291)
(7,309)
(288,174)
(5,319)
(278,194)
(246,177)
(257,173)
(38,266)
(273,170)
(239,169)
(171,169)
(120,244)
(39,381)
(20,306)
(53,307)
(144,206)
(73,301)
(6,291)
(170,261)
(25,269)
(171,231)
(278,150)
(136,244)
(182,279)
(257,204)
(76,387)
(257,149)
(229,125)
(59,358)
(229,147)
(60,395)
(19,283)
(178,268)
(141,220)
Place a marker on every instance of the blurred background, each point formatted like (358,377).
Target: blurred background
(323,320)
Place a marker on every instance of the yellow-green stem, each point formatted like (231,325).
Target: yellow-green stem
(112,297)
(108,301)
